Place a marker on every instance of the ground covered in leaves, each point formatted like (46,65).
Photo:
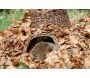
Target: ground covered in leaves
(74,44)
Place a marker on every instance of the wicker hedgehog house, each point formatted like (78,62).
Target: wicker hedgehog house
(49,23)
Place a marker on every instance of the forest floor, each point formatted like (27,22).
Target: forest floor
(73,54)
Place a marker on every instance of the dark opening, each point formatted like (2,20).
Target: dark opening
(38,39)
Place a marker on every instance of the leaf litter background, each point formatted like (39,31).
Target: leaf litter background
(74,41)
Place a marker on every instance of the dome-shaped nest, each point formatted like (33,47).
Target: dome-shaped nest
(39,38)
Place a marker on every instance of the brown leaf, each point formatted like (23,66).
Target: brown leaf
(77,62)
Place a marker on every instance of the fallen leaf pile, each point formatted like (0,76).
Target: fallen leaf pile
(74,43)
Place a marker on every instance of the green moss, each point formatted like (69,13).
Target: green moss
(6,18)
(77,14)
(22,66)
